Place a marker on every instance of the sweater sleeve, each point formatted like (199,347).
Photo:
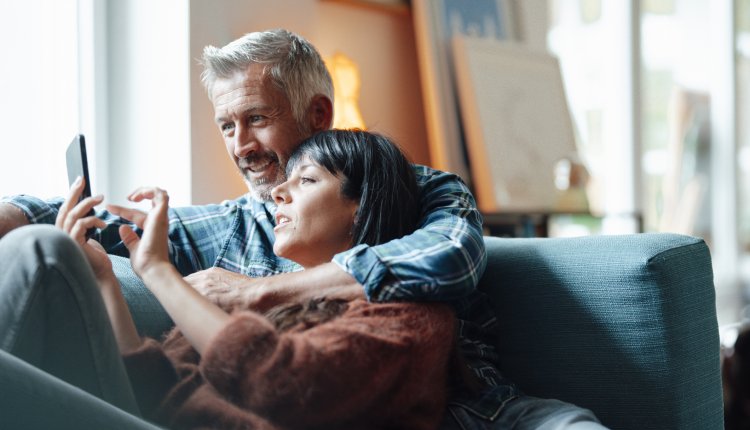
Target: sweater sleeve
(375,362)
(152,376)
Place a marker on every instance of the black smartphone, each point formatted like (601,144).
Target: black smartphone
(78,166)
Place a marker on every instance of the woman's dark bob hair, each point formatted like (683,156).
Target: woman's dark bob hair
(374,172)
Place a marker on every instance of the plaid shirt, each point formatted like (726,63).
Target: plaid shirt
(441,261)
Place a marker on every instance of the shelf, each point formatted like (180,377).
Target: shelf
(387,6)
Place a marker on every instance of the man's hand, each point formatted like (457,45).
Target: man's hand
(224,288)
(11,218)
(230,290)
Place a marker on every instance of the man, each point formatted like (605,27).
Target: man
(270,90)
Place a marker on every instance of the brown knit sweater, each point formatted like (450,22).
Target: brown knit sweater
(377,366)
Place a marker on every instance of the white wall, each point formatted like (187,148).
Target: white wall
(148,109)
(38,95)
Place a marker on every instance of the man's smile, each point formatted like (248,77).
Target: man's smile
(258,165)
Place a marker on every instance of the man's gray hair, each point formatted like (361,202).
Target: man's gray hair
(292,63)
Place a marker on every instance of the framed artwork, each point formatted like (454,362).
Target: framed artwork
(436,22)
(517,124)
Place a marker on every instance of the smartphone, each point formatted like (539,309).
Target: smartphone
(78,166)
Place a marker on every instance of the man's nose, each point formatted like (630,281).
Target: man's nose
(244,142)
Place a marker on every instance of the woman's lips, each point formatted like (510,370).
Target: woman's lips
(281,221)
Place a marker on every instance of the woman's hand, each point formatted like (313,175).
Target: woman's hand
(151,250)
(198,319)
(73,218)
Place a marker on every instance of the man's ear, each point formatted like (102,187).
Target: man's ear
(321,113)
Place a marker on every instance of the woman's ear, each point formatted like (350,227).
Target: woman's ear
(321,113)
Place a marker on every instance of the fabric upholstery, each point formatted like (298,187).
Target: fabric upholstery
(623,325)
(149,316)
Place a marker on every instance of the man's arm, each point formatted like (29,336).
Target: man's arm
(11,218)
(196,233)
(442,261)
(231,290)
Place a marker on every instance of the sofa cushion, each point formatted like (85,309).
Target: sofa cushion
(623,325)
(150,318)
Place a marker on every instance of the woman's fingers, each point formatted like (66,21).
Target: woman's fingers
(134,215)
(152,247)
(70,201)
(81,226)
(79,211)
(160,199)
(144,193)
(157,220)
(129,238)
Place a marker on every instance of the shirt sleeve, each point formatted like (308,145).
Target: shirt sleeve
(443,260)
(365,362)
(196,233)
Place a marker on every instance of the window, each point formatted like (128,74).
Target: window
(39,112)
(683,66)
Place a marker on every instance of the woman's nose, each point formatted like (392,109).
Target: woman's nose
(279,194)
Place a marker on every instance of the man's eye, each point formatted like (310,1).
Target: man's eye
(254,119)
(227,127)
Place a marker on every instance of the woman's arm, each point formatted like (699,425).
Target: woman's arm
(374,358)
(72,218)
(198,319)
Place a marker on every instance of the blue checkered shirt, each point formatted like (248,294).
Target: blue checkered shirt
(441,261)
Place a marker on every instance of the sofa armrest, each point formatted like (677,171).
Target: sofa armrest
(623,325)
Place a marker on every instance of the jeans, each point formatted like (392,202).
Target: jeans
(526,413)
(59,365)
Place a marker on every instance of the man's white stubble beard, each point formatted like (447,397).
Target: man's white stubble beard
(260,189)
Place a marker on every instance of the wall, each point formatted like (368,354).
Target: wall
(382,44)
(148,100)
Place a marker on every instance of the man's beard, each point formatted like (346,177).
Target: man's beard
(261,187)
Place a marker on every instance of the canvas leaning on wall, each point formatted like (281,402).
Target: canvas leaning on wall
(435,23)
(516,122)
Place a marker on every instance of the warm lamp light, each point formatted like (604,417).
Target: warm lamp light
(346,83)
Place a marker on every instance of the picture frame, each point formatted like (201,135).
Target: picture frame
(517,124)
(436,22)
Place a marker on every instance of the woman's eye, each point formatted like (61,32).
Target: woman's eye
(306,180)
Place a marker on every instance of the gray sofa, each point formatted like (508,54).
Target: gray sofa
(623,325)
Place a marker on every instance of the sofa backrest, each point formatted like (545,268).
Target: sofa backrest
(623,325)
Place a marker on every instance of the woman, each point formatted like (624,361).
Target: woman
(324,364)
